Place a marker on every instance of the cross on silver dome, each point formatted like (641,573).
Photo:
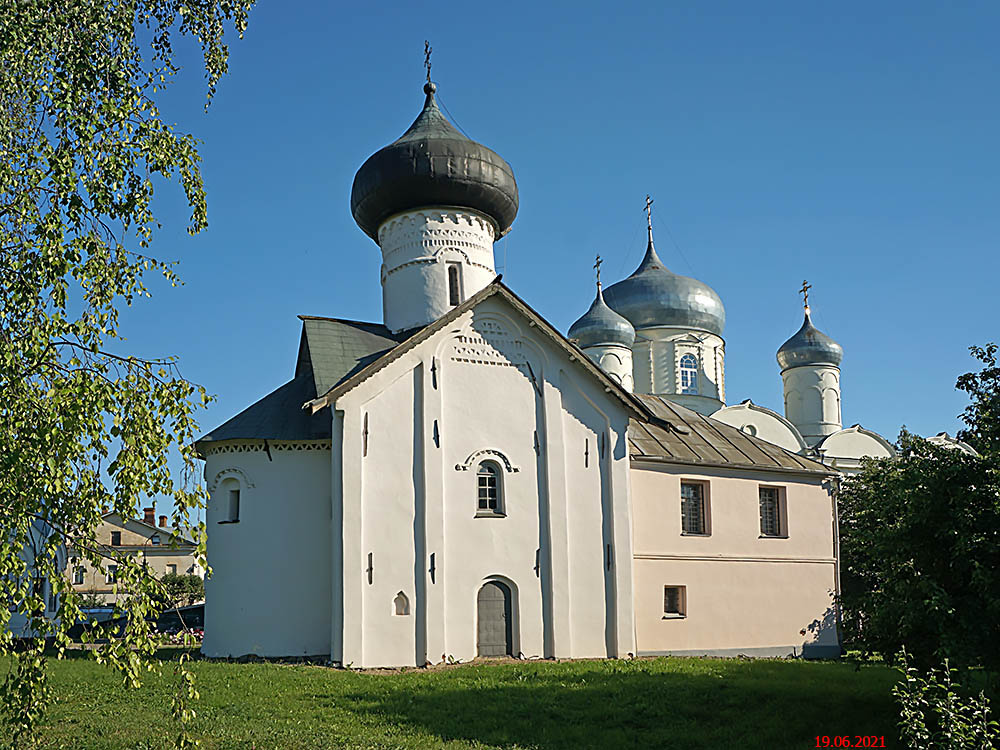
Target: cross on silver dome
(654,296)
(809,346)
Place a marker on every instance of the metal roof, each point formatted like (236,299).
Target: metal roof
(809,346)
(331,350)
(655,296)
(336,355)
(601,325)
(432,164)
(683,436)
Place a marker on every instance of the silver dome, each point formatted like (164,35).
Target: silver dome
(601,325)
(809,346)
(655,296)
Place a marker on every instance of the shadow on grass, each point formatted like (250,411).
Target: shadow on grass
(634,705)
(163,653)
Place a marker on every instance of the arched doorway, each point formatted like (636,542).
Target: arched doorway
(495,620)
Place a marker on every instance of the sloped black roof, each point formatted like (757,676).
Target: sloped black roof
(330,351)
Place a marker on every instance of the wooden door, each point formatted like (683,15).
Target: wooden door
(494,620)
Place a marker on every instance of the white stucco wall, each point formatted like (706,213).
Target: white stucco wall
(656,355)
(746,593)
(418,247)
(490,386)
(269,592)
(812,400)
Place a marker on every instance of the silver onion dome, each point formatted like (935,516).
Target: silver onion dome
(655,296)
(601,325)
(810,346)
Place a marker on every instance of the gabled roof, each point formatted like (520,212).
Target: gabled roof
(496,287)
(680,435)
(182,540)
(333,349)
(330,350)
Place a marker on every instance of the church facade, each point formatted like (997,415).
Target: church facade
(464,480)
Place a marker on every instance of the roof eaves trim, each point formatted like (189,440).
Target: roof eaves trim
(826,471)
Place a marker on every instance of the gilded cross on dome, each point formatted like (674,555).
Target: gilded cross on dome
(597,267)
(649,212)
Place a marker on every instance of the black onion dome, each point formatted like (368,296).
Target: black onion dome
(655,296)
(809,346)
(601,325)
(432,164)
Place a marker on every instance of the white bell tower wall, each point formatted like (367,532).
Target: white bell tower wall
(685,365)
(433,260)
(615,360)
(812,400)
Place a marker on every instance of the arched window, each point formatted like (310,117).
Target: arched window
(401,605)
(490,491)
(454,284)
(689,374)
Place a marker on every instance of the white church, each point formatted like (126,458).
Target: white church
(462,479)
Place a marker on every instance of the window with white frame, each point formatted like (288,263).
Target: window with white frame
(771,512)
(111,574)
(693,515)
(78,575)
(489,489)
(689,374)
(674,601)
(155,539)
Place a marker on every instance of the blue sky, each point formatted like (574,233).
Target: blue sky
(851,144)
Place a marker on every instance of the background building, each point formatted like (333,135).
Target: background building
(162,549)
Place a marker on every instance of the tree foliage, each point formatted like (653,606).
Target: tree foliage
(982,415)
(85,427)
(920,545)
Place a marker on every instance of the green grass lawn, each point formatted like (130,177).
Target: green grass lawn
(659,703)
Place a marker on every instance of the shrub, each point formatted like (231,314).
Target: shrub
(935,713)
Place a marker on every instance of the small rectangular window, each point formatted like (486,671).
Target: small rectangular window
(234,505)
(155,539)
(674,601)
(693,515)
(772,521)
(171,569)
(116,539)
(454,284)
(111,574)
(78,575)
(53,599)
